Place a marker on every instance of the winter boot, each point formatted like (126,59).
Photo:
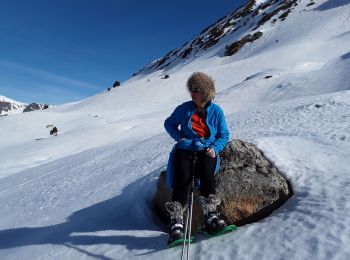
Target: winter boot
(176,229)
(213,222)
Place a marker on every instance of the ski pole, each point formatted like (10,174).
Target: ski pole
(189,211)
(185,235)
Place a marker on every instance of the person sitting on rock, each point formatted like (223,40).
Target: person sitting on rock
(202,135)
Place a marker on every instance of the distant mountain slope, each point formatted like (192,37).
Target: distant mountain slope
(235,30)
(300,46)
(9,106)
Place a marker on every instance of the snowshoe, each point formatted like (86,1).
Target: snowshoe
(213,223)
(180,242)
(227,229)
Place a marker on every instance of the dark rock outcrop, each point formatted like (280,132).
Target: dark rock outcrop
(34,106)
(54,131)
(282,6)
(116,84)
(236,46)
(249,186)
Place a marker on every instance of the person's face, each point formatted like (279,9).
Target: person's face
(197,96)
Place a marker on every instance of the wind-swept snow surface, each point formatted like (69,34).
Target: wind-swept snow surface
(87,193)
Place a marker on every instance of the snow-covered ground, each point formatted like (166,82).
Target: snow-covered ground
(87,193)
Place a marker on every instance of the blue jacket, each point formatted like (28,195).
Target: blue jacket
(181,116)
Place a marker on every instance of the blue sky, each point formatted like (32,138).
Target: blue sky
(61,51)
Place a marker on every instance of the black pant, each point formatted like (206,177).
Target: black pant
(204,170)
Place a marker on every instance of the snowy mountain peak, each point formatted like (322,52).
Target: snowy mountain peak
(10,106)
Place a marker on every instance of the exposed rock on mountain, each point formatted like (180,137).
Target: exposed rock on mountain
(35,106)
(9,106)
(237,28)
(236,46)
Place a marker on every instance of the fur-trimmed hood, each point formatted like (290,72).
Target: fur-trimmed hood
(205,83)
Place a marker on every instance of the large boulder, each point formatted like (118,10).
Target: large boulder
(248,184)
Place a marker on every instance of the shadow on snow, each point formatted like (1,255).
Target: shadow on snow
(330,4)
(130,211)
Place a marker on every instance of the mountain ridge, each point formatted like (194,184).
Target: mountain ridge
(239,26)
(9,106)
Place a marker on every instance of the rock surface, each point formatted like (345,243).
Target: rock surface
(249,186)
(32,107)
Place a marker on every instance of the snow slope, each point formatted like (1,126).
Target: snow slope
(87,193)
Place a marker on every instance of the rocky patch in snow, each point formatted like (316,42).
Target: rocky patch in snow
(236,46)
(35,106)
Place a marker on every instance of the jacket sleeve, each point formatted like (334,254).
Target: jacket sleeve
(171,124)
(222,135)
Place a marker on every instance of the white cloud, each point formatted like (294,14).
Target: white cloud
(60,80)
